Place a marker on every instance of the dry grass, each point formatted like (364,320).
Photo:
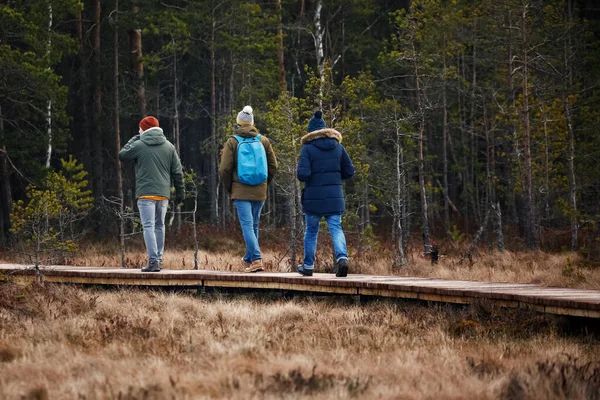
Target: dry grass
(549,269)
(69,343)
(223,249)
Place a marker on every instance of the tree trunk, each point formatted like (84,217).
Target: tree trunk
(5,197)
(531,232)
(135,44)
(513,103)
(83,106)
(295,201)
(546,164)
(421,113)
(399,246)
(195,228)
(318,37)
(406,209)
(464,139)
(176,128)
(5,192)
(492,180)
(117,128)
(477,238)
(291,206)
(572,181)
(280,48)
(366,211)
(498,226)
(445,151)
(571,131)
(49,104)
(474,192)
(97,143)
(213,156)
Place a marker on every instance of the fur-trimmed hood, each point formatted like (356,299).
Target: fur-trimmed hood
(322,133)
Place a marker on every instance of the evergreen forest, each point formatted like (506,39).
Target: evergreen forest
(476,119)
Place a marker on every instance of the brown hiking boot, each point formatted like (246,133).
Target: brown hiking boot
(257,265)
(244,265)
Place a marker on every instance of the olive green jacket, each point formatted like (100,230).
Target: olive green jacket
(228,167)
(156,164)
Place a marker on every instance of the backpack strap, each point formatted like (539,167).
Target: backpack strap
(241,139)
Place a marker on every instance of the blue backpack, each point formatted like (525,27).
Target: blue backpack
(251,161)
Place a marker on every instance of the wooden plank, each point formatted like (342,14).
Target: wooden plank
(528,296)
(576,312)
(280,286)
(124,281)
(388,293)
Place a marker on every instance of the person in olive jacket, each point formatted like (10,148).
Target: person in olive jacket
(249,200)
(156,165)
(323,164)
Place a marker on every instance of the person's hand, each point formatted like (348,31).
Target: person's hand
(179,198)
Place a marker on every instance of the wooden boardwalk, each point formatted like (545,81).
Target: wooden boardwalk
(575,302)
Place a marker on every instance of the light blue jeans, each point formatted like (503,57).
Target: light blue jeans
(152,214)
(334,223)
(249,215)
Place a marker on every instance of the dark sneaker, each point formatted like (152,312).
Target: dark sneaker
(341,269)
(160,264)
(154,266)
(304,271)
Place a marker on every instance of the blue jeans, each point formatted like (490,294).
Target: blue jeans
(249,215)
(334,223)
(152,214)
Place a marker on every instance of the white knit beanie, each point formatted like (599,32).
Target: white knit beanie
(245,117)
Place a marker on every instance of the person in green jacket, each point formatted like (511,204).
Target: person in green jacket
(249,199)
(156,166)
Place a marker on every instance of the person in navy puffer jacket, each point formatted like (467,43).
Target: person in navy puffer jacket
(323,164)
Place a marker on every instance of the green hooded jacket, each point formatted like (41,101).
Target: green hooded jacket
(228,167)
(156,164)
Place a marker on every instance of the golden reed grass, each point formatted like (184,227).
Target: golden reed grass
(60,342)
(566,269)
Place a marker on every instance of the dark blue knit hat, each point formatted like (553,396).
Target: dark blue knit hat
(316,123)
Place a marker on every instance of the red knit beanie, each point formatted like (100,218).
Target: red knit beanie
(148,122)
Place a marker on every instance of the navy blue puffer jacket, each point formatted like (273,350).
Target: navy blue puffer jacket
(323,164)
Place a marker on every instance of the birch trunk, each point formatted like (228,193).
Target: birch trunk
(421,113)
(400,188)
(318,38)
(280,49)
(571,131)
(49,104)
